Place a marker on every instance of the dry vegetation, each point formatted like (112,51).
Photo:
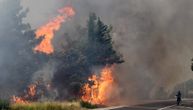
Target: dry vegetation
(48,106)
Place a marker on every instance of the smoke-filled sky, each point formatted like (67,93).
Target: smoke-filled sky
(154,36)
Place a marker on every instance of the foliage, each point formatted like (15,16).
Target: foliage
(87,105)
(71,71)
(47,106)
(4,105)
(100,49)
(94,48)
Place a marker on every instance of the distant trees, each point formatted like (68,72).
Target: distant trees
(18,61)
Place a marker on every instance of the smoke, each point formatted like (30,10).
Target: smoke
(45,74)
(156,44)
(155,38)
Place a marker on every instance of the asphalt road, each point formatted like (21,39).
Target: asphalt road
(158,105)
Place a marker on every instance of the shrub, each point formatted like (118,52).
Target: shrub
(87,105)
(47,106)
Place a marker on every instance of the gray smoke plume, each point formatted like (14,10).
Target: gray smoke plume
(155,38)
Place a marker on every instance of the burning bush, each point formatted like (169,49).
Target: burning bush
(88,105)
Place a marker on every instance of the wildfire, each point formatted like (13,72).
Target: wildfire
(98,92)
(31,92)
(20,100)
(47,31)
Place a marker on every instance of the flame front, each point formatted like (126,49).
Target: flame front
(98,92)
(19,100)
(31,92)
(47,31)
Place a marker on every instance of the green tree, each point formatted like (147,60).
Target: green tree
(91,27)
(100,49)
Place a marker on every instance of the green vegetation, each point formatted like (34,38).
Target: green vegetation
(88,105)
(48,106)
(4,105)
(100,50)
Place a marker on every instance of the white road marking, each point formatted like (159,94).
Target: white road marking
(108,108)
(166,107)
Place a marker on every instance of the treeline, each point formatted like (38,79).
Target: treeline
(74,65)
(18,62)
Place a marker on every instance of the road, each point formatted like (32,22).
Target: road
(158,105)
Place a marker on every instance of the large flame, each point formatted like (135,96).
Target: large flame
(47,31)
(98,89)
(30,93)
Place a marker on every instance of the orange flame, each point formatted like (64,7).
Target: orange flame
(20,100)
(99,91)
(31,92)
(48,29)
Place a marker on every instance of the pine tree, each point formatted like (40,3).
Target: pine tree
(75,64)
(100,50)
(91,26)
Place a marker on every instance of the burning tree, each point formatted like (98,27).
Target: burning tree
(100,52)
(99,92)
(26,51)
(76,63)
(32,50)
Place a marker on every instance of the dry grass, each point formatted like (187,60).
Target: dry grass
(48,106)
